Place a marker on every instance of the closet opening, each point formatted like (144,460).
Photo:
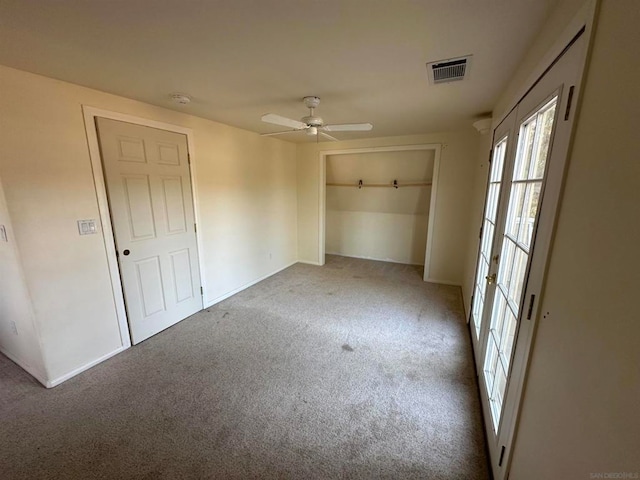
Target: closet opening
(379,203)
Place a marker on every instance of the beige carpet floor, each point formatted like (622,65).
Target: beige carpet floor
(354,370)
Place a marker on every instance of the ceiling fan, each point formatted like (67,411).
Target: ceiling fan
(311,124)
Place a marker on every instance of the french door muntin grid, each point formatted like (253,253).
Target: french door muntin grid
(523,206)
(488,229)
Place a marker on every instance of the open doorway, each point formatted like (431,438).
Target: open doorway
(379,203)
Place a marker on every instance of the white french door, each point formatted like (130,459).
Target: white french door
(525,178)
(483,291)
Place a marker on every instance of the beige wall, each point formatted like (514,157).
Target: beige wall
(373,222)
(580,411)
(19,343)
(246,202)
(455,185)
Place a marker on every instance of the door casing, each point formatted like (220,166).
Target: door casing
(322,188)
(90,114)
(547,217)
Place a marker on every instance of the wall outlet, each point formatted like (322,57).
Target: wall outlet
(14,327)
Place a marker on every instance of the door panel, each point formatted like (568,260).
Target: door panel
(131,149)
(512,263)
(173,197)
(138,207)
(150,286)
(168,154)
(181,271)
(149,191)
(491,219)
(522,209)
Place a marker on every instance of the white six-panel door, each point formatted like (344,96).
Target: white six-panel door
(149,190)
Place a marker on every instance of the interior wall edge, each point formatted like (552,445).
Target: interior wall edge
(35,372)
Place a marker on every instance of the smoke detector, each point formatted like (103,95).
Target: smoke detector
(449,70)
(180,98)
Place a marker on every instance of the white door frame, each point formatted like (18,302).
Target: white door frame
(435,147)
(90,114)
(502,442)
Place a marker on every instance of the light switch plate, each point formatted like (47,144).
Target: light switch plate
(3,234)
(87,227)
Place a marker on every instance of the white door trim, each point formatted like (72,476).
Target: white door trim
(322,189)
(90,114)
(584,17)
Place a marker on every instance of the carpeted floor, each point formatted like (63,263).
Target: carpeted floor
(354,370)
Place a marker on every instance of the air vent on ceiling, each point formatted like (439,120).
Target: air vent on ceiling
(451,70)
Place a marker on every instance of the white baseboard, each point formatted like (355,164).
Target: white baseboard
(87,366)
(390,260)
(34,372)
(443,282)
(317,264)
(210,303)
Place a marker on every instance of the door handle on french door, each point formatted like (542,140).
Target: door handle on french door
(491,279)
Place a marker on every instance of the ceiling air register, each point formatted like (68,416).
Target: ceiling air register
(450,70)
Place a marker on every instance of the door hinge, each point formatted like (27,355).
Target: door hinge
(501,456)
(490,156)
(195,228)
(569,101)
(201,290)
(480,235)
(189,158)
(530,311)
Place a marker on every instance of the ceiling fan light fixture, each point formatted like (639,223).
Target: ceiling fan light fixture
(312,131)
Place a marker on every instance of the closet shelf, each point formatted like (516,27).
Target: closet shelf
(394,184)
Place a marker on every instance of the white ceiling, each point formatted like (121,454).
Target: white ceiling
(240,59)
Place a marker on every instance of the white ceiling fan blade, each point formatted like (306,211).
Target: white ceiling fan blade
(348,127)
(328,136)
(283,121)
(277,133)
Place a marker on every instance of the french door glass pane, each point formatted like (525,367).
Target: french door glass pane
(524,200)
(488,229)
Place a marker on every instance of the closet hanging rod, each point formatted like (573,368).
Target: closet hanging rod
(395,184)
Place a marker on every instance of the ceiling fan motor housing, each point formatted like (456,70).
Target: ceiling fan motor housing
(312,121)
(311,124)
